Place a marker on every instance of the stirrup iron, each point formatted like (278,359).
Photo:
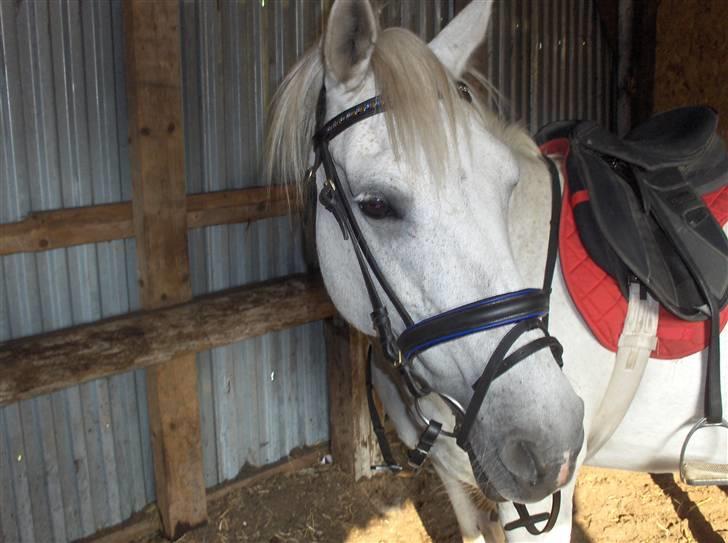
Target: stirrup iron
(698,473)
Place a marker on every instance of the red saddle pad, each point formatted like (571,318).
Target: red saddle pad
(596,294)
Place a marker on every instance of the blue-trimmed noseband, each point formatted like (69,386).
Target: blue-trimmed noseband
(471,318)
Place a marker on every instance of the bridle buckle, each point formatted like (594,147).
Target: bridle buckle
(399,361)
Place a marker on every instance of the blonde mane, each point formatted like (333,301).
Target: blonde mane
(423,109)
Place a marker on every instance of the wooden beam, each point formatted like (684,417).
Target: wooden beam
(608,11)
(311,457)
(48,362)
(237,206)
(643,60)
(637,21)
(159,211)
(47,230)
(353,443)
(66,227)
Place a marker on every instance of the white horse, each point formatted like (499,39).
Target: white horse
(455,206)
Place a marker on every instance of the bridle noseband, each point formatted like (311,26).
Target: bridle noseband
(526,309)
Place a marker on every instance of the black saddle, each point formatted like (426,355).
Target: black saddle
(644,217)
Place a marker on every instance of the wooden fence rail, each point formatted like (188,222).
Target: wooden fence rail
(48,362)
(47,230)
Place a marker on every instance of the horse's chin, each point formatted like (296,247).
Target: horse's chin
(512,490)
(486,485)
(490,492)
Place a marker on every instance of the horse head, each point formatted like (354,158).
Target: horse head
(428,184)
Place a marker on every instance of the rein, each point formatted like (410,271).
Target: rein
(526,309)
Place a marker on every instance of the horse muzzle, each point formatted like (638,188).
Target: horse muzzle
(535,474)
(525,472)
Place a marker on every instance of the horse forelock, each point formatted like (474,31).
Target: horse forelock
(423,109)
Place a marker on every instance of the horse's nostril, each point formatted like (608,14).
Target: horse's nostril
(519,458)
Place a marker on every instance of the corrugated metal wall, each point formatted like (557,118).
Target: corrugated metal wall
(78,460)
(261,398)
(550,60)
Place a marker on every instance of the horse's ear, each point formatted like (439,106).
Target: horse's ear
(349,41)
(457,41)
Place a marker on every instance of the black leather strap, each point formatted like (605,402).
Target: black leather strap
(347,118)
(389,462)
(528,521)
(713,396)
(554,223)
(417,456)
(493,370)
(672,219)
(345,214)
(472,318)
(346,217)
(337,203)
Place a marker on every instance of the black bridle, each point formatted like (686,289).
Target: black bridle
(526,310)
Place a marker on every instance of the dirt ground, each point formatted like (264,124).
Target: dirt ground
(319,505)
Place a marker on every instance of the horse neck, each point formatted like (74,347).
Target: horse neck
(528,222)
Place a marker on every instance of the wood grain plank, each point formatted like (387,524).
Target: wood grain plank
(353,443)
(44,363)
(159,214)
(46,230)
(66,227)
(237,206)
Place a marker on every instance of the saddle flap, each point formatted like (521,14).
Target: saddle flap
(620,220)
(692,228)
(624,208)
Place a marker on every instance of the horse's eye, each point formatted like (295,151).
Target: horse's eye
(375,207)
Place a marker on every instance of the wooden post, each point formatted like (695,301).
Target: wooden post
(353,443)
(637,20)
(153,79)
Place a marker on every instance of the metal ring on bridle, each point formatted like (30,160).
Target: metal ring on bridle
(454,406)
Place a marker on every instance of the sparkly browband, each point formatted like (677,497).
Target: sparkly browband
(362,111)
(346,118)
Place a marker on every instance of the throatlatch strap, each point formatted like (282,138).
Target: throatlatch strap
(389,462)
(418,455)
